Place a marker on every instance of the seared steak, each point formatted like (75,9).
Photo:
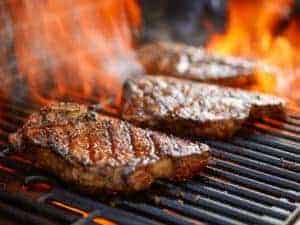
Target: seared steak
(99,153)
(187,62)
(185,107)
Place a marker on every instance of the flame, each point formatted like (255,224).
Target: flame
(78,48)
(266,31)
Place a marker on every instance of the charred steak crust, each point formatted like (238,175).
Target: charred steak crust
(192,63)
(99,153)
(185,107)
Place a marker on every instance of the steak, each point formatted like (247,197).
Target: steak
(189,108)
(103,154)
(192,63)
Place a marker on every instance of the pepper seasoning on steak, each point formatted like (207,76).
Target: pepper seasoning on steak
(192,63)
(190,108)
(103,154)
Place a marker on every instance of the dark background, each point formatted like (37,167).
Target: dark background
(189,21)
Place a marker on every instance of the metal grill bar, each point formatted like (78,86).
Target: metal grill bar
(253,153)
(257,147)
(154,212)
(226,187)
(22,216)
(278,124)
(198,213)
(230,200)
(252,183)
(272,141)
(292,121)
(275,131)
(258,166)
(37,207)
(121,217)
(236,201)
(259,176)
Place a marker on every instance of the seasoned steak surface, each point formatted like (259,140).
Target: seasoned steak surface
(99,153)
(185,107)
(187,62)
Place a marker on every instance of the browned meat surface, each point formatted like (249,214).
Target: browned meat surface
(187,62)
(99,153)
(185,107)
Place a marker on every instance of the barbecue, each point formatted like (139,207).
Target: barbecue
(253,179)
(64,109)
(192,63)
(100,153)
(189,108)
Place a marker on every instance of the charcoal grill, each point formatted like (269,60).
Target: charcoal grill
(254,179)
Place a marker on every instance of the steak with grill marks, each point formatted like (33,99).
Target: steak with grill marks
(99,153)
(189,108)
(192,63)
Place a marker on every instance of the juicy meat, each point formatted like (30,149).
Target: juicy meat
(187,62)
(99,153)
(185,107)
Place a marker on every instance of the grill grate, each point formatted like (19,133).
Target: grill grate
(254,179)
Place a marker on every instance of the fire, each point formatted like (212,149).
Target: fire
(266,31)
(71,48)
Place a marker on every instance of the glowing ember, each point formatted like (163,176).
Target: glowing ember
(6,169)
(73,48)
(84,214)
(266,31)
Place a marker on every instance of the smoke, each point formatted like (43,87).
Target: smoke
(62,48)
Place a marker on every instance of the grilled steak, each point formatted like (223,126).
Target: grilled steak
(186,107)
(187,62)
(99,153)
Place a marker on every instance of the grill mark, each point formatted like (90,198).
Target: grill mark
(156,145)
(132,139)
(110,133)
(118,138)
(91,150)
(152,144)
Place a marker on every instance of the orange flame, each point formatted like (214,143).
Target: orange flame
(266,31)
(74,48)
(84,214)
